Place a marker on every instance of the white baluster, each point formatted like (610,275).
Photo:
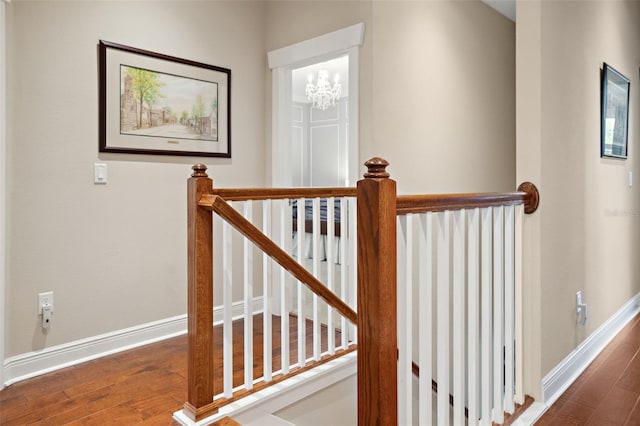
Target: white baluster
(498,314)
(459,333)
(353,265)
(404,272)
(425,339)
(345,232)
(285,242)
(302,335)
(266,295)
(331,341)
(509,275)
(227,302)
(248,300)
(316,273)
(519,355)
(473,277)
(486,221)
(443,282)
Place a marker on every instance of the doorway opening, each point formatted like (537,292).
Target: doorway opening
(318,147)
(319,142)
(321,147)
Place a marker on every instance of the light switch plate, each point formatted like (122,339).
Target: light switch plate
(100,173)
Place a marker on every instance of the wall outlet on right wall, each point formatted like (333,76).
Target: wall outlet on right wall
(581,309)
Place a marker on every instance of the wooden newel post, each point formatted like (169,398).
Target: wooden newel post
(377,317)
(200,296)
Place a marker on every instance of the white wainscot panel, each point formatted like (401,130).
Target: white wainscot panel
(330,114)
(325,155)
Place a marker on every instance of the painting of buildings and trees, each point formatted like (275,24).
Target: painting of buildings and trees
(168,106)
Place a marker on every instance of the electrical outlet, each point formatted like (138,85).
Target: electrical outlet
(45,299)
(581,309)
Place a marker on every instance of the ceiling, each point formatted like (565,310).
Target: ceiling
(505,7)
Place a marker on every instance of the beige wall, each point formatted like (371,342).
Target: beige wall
(589,228)
(594,248)
(437,87)
(443,96)
(437,99)
(114,255)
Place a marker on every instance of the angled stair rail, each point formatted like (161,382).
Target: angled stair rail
(248,230)
(206,377)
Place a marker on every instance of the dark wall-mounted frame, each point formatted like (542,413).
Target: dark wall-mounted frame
(614,113)
(152,103)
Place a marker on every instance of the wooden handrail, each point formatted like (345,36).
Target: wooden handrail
(223,209)
(244,194)
(527,194)
(440,202)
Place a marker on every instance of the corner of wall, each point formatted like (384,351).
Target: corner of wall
(528,168)
(2,184)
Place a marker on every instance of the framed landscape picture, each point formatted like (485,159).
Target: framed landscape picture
(152,103)
(614,113)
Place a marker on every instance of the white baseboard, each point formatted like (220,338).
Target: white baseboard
(565,373)
(531,415)
(35,363)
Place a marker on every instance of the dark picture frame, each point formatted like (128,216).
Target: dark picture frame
(150,103)
(614,113)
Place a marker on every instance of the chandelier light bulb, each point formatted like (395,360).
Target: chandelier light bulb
(322,95)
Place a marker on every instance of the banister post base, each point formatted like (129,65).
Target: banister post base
(199,413)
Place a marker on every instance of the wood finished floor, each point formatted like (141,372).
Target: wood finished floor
(608,392)
(140,386)
(146,385)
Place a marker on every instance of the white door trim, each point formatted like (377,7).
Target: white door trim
(317,47)
(282,61)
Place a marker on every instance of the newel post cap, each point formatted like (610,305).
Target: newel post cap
(376,168)
(199,170)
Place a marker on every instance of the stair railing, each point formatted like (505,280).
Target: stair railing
(455,247)
(281,214)
(459,257)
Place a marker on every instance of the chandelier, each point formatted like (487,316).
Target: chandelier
(322,94)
